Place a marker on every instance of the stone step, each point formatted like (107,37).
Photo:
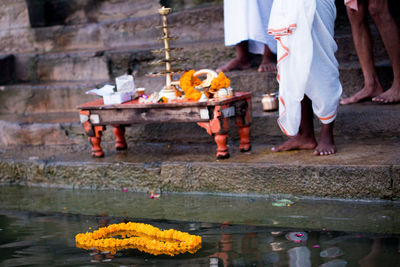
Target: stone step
(103,65)
(39,14)
(62,95)
(363,120)
(45,13)
(189,25)
(199,24)
(361,169)
(73,12)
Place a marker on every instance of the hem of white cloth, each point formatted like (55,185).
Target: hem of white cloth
(328,119)
(280,116)
(278,33)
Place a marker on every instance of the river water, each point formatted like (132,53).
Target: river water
(38,228)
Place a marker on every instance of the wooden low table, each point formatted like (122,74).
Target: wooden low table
(212,115)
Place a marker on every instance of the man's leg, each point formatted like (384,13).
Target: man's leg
(363,45)
(268,63)
(241,61)
(389,32)
(305,138)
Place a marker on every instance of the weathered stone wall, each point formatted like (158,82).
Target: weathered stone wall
(13,15)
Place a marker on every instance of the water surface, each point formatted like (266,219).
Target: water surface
(47,239)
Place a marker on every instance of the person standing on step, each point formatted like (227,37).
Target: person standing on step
(308,72)
(389,32)
(245,25)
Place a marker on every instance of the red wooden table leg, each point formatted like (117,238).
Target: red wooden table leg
(119,132)
(95,141)
(222,148)
(218,126)
(243,121)
(244,133)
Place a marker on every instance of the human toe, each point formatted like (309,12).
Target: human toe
(380,100)
(348,100)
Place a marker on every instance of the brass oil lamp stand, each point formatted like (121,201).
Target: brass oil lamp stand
(169,91)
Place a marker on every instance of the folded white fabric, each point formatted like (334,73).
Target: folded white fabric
(247,20)
(306,61)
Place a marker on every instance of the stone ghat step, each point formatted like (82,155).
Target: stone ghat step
(354,122)
(189,25)
(362,169)
(92,65)
(65,96)
(99,62)
(39,14)
(197,24)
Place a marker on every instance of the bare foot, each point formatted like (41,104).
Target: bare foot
(235,64)
(298,142)
(267,67)
(268,62)
(366,93)
(326,145)
(390,96)
(324,149)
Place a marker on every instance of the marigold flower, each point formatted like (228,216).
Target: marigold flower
(188,83)
(141,236)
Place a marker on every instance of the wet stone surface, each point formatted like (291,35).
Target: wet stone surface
(357,171)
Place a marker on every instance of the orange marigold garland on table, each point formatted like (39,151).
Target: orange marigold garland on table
(220,82)
(188,82)
(143,237)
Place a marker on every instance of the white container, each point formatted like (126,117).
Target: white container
(270,102)
(230,91)
(140,91)
(117,98)
(221,93)
(125,83)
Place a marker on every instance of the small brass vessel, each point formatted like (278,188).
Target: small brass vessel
(270,102)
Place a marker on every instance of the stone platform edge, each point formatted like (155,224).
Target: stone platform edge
(321,181)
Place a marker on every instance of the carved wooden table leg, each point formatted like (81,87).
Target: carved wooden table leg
(218,126)
(243,121)
(94,133)
(222,148)
(244,133)
(95,141)
(119,132)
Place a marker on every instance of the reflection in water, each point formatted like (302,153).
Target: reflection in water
(97,255)
(33,239)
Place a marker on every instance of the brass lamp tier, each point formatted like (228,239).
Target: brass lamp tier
(169,90)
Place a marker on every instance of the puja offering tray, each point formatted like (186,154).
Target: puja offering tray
(211,115)
(209,102)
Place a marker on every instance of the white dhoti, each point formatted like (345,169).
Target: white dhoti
(306,60)
(247,20)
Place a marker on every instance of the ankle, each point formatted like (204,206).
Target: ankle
(306,137)
(243,59)
(372,85)
(327,133)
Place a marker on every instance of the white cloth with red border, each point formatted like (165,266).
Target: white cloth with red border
(306,61)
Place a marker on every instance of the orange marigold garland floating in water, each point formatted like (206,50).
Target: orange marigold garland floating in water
(143,237)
